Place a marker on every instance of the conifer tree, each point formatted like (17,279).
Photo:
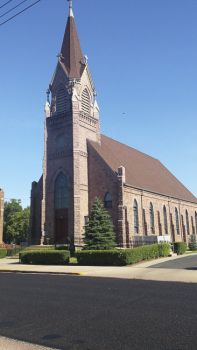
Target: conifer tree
(99,233)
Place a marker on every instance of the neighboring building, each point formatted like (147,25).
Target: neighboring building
(1,214)
(142,196)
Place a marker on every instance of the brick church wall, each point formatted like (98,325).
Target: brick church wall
(101,179)
(35,214)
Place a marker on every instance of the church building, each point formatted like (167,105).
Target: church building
(1,214)
(143,198)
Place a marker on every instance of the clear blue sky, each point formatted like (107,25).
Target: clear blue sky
(143,59)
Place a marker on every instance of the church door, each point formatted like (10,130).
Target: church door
(61,226)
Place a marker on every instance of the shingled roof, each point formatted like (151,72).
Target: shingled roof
(142,171)
(71,53)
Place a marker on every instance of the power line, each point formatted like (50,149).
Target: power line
(17,14)
(13,8)
(5,4)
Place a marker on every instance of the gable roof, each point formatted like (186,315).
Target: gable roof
(142,171)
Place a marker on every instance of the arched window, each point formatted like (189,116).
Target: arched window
(61,192)
(85,101)
(152,220)
(159,223)
(108,200)
(196,221)
(193,228)
(187,221)
(145,223)
(61,101)
(136,217)
(177,221)
(165,219)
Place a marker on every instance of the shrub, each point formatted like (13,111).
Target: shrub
(164,249)
(13,251)
(120,257)
(180,247)
(45,257)
(3,253)
(62,247)
(192,243)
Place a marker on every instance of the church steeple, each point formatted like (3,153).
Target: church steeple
(71,54)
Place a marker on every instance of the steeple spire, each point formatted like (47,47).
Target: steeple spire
(71,56)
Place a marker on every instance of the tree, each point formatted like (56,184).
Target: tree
(99,233)
(192,242)
(16,222)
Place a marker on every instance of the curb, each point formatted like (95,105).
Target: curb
(43,272)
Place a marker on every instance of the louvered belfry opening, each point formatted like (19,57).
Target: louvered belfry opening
(61,101)
(85,103)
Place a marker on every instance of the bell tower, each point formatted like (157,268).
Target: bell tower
(71,118)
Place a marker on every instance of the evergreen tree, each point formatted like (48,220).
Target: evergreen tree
(99,233)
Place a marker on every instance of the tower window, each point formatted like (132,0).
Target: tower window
(85,102)
(61,192)
(108,200)
(61,101)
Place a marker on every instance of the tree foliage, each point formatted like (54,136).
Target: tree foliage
(99,233)
(16,222)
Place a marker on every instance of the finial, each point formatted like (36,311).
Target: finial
(48,95)
(70,8)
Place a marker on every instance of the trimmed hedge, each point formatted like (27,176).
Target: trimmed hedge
(122,257)
(3,253)
(45,257)
(180,247)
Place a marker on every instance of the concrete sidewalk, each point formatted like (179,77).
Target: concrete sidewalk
(11,344)
(143,271)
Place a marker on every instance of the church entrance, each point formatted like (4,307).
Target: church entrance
(61,226)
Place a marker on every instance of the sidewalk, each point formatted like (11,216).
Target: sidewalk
(138,271)
(11,344)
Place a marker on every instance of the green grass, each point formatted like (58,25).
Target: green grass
(73,261)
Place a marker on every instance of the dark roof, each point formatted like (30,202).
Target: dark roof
(142,171)
(71,54)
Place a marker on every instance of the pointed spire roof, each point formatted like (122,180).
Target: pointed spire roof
(71,54)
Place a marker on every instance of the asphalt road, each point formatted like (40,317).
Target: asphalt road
(186,263)
(84,313)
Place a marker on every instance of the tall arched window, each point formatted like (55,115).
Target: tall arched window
(196,221)
(177,221)
(187,221)
(61,192)
(159,223)
(85,101)
(135,217)
(108,200)
(193,228)
(165,219)
(61,100)
(152,220)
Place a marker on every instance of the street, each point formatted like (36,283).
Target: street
(90,313)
